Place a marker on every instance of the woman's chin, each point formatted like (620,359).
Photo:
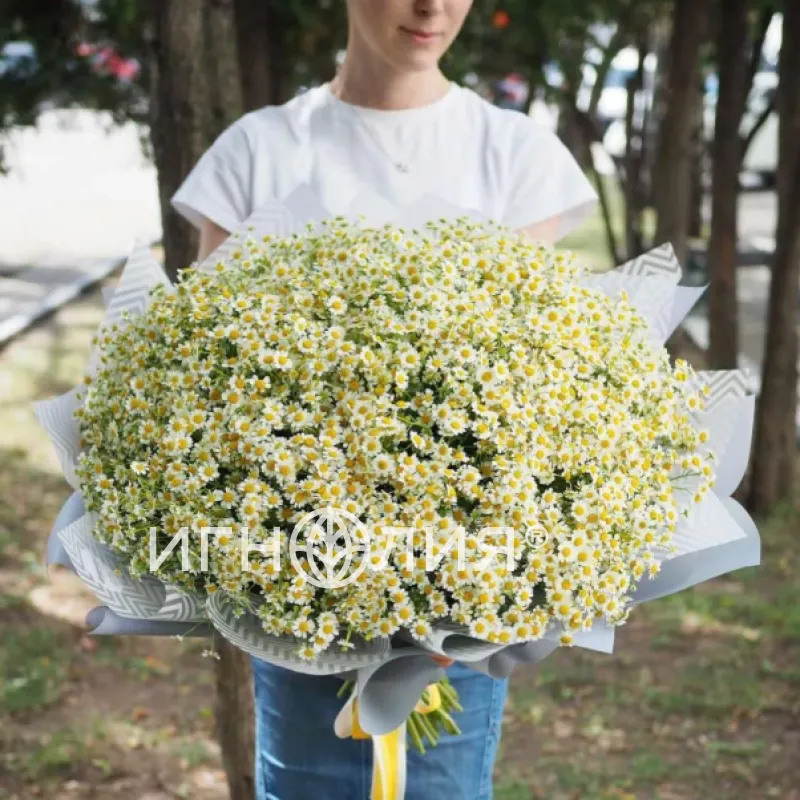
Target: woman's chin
(415,61)
(415,58)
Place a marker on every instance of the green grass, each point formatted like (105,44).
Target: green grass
(191,752)
(512,791)
(59,753)
(56,753)
(590,241)
(33,668)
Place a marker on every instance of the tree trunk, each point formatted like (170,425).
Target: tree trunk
(635,122)
(603,68)
(252,25)
(263,53)
(586,128)
(178,113)
(222,66)
(698,161)
(775,440)
(660,37)
(673,190)
(726,155)
(235,718)
(196,94)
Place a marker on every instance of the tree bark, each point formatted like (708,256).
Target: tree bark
(775,449)
(263,53)
(586,128)
(726,155)
(252,24)
(235,718)
(699,151)
(178,113)
(635,122)
(673,190)
(222,66)
(659,35)
(603,68)
(195,95)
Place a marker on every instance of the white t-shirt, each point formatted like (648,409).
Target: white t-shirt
(460,148)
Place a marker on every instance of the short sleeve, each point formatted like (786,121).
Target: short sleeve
(219,186)
(546,181)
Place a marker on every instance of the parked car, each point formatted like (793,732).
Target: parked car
(762,155)
(761,158)
(613,102)
(17,56)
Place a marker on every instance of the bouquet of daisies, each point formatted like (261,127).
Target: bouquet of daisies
(496,436)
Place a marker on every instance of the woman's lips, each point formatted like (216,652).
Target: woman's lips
(421,37)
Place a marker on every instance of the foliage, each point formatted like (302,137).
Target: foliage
(533,35)
(43,66)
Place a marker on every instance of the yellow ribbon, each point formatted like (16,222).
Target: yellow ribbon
(389,749)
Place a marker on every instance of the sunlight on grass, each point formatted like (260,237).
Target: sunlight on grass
(590,241)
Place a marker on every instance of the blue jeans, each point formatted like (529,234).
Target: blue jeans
(299,757)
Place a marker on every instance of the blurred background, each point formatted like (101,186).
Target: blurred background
(686,116)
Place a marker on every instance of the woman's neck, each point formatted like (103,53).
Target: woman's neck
(364,82)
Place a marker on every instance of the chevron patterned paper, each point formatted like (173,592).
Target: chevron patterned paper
(730,427)
(57,417)
(100,570)
(181,607)
(724,384)
(657,263)
(708,525)
(140,274)
(652,297)
(246,633)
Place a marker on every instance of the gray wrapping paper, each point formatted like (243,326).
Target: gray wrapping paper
(389,691)
(102,621)
(99,568)
(690,569)
(57,417)
(503,663)
(71,511)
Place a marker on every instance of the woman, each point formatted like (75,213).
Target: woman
(391,122)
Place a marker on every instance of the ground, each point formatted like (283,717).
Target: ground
(701,698)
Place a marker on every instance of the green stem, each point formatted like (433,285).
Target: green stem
(414,733)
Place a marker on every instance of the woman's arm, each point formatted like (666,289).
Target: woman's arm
(211,237)
(545,231)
